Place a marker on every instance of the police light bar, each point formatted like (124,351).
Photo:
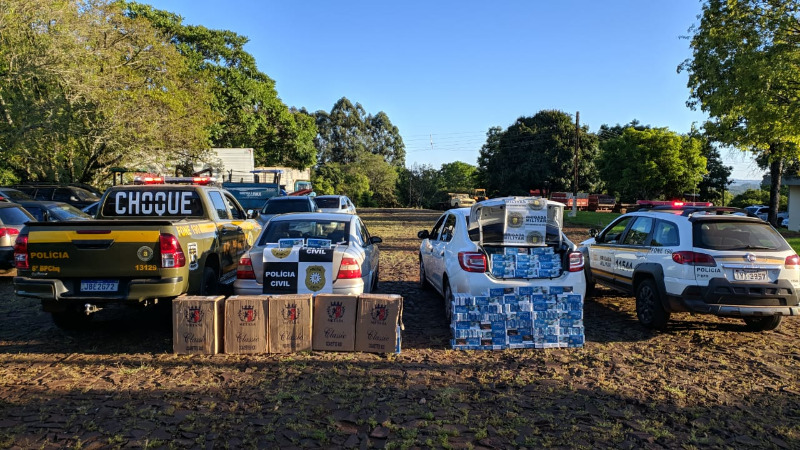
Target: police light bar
(202,181)
(148,179)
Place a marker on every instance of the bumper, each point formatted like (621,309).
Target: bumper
(133,290)
(723,298)
(344,287)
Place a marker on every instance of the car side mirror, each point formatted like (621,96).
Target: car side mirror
(593,232)
(423,234)
(375,240)
(252,214)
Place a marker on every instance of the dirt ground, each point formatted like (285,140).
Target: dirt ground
(704,382)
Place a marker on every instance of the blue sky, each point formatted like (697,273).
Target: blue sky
(445,72)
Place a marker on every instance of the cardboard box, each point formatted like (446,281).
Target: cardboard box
(334,322)
(380,320)
(246,324)
(197,324)
(289,319)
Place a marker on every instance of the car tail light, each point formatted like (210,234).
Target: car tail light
(472,261)
(10,232)
(245,269)
(575,261)
(693,259)
(171,252)
(21,252)
(349,269)
(792,260)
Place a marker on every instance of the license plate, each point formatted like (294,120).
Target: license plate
(749,275)
(99,285)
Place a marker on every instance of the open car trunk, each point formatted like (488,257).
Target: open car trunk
(521,236)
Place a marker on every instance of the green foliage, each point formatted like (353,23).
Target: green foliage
(417,186)
(537,153)
(652,163)
(250,112)
(757,197)
(743,74)
(715,182)
(348,132)
(84,89)
(457,177)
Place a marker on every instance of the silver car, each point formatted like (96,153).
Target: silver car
(335,203)
(344,256)
(12,218)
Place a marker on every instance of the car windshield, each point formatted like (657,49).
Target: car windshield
(68,212)
(330,202)
(337,231)
(84,195)
(286,206)
(737,235)
(15,195)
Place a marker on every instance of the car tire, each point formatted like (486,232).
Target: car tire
(423,280)
(375,281)
(762,323)
(649,309)
(590,284)
(72,319)
(210,283)
(448,301)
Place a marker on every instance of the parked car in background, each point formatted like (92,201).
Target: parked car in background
(354,255)
(335,203)
(455,255)
(13,195)
(45,211)
(712,260)
(74,195)
(91,209)
(12,218)
(286,204)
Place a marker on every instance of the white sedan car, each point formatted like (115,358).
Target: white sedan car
(341,257)
(455,257)
(335,203)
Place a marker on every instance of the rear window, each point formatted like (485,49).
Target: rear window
(736,235)
(336,230)
(327,202)
(14,216)
(287,206)
(153,203)
(15,195)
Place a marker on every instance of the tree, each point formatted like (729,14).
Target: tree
(744,74)
(716,180)
(84,88)
(537,153)
(457,176)
(652,163)
(417,186)
(348,131)
(250,112)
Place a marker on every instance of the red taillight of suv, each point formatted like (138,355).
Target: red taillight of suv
(693,258)
(245,269)
(793,260)
(575,261)
(349,268)
(472,261)
(21,252)
(172,255)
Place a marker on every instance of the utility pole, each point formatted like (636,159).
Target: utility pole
(575,182)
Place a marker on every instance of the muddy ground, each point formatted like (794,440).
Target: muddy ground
(704,382)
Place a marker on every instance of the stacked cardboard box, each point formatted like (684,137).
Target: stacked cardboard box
(522,317)
(287,323)
(524,262)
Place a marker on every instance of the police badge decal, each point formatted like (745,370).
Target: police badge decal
(315,278)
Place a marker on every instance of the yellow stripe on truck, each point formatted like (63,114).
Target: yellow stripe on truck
(55,237)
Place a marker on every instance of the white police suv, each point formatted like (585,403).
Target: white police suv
(710,260)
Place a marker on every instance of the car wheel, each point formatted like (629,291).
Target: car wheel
(423,281)
(448,301)
(210,284)
(71,319)
(762,323)
(649,309)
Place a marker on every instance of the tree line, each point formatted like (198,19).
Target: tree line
(90,85)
